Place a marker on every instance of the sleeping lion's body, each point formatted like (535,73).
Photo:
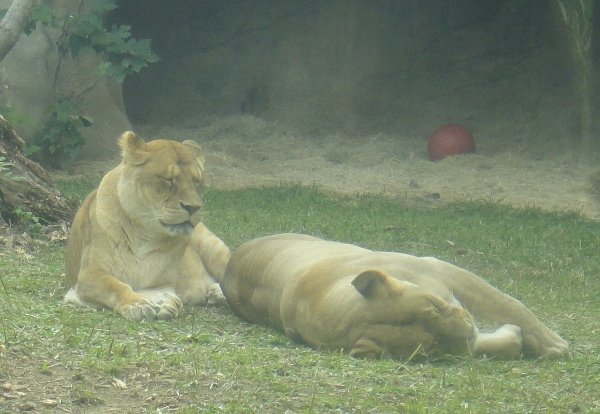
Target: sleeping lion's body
(377,304)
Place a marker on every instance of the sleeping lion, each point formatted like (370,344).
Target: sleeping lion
(137,244)
(371,304)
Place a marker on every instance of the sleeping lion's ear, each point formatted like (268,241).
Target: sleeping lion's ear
(192,144)
(198,150)
(133,149)
(371,283)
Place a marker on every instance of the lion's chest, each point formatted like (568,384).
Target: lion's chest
(147,269)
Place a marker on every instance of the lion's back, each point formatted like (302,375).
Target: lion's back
(80,229)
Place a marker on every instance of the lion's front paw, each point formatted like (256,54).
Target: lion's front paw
(368,349)
(141,310)
(152,305)
(169,307)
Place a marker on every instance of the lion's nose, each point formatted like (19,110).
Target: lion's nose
(191,209)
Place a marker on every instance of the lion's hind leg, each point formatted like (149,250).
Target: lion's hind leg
(505,343)
(214,295)
(201,291)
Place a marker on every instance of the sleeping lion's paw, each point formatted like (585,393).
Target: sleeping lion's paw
(368,349)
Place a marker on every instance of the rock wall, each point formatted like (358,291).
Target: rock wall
(501,67)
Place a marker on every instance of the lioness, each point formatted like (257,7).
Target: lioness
(137,244)
(377,304)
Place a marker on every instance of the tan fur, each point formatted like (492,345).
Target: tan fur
(377,304)
(137,244)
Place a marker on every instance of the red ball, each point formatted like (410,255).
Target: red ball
(449,139)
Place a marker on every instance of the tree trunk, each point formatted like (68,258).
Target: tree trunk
(13,23)
(26,186)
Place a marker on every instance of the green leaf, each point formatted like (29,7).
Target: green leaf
(123,31)
(113,71)
(29,150)
(137,65)
(101,6)
(63,110)
(43,14)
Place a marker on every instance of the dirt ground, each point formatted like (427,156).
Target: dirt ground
(246,151)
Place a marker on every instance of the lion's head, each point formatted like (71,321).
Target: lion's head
(161,183)
(403,316)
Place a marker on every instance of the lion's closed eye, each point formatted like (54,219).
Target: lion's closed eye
(433,312)
(168,182)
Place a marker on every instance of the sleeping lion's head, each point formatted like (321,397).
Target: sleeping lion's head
(161,183)
(405,318)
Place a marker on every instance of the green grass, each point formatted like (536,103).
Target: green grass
(208,360)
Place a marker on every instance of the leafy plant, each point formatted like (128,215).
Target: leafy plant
(31,223)
(123,55)
(60,137)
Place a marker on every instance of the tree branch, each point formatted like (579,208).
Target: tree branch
(13,23)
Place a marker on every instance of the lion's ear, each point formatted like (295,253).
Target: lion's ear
(371,283)
(377,284)
(198,150)
(192,144)
(133,149)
